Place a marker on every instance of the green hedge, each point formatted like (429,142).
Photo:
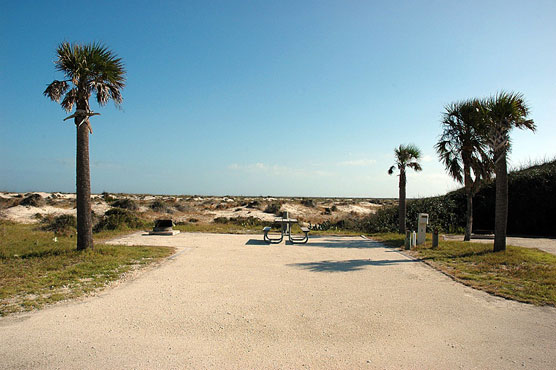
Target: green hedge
(531,202)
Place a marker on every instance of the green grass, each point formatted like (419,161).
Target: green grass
(522,274)
(35,270)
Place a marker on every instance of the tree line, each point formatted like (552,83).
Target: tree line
(473,147)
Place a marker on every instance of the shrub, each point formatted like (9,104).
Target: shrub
(107,197)
(241,221)
(531,202)
(193,220)
(118,218)
(182,207)
(307,202)
(273,208)
(34,200)
(160,206)
(8,202)
(125,203)
(254,204)
(61,225)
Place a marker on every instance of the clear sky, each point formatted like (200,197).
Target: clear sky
(305,98)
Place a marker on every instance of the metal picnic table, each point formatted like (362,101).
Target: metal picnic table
(285,229)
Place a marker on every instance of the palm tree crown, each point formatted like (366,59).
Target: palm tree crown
(406,156)
(463,144)
(90,68)
(505,111)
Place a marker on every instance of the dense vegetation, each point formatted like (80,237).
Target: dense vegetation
(532,202)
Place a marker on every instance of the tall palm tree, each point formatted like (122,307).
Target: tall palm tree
(463,148)
(504,111)
(406,156)
(88,69)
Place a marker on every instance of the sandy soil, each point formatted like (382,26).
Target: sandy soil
(27,214)
(233,302)
(184,208)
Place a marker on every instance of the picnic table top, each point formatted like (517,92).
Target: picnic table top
(284,220)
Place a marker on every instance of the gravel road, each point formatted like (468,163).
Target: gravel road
(232,302)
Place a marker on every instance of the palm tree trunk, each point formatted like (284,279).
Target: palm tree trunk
(402,205)
(468,217)
(83,187)
(501,207)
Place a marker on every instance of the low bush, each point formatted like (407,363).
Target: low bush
(33,200)
(307,202)
(8,202)
(160,206)
(125,203)
(273,208)
(118,218)
(63,225)
(253,204)
(107,197)
(182,207)
(241,221)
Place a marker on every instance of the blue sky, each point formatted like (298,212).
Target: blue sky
(305,98)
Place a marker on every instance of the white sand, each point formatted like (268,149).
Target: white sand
(232,302)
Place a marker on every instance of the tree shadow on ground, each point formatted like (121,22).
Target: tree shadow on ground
(345,266)
(339,242)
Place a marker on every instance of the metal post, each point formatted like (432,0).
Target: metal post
(407,239)
(435,238)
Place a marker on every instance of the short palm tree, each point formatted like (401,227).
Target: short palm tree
(463,148)
(406,156)
(88,69)
(504,111)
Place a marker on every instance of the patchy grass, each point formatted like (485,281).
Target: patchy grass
(35,270)
(522,274)
(234,228)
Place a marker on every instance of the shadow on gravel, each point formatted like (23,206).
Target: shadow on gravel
(256,242)
(345,266)
(341,243)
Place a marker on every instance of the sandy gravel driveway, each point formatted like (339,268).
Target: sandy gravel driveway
(229,301)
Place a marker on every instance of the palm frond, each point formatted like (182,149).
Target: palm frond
(70,99)
(391,170)
(416,166)
(56,89)
(92,68)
